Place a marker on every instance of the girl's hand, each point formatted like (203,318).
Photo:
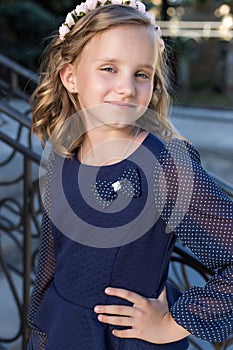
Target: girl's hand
(149,319)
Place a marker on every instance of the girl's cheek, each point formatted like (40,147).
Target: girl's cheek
(147,92)
(104,80)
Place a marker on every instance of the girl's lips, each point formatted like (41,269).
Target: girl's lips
(121,104)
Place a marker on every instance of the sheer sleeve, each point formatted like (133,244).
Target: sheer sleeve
(44,277)
(201,215)
(45,265)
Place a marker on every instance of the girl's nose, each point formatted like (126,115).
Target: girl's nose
(125,86)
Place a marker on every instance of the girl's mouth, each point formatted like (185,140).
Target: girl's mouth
(120,104)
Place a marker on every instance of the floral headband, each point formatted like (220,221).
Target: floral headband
(90,5)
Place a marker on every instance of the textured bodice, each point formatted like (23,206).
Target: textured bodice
(116,226)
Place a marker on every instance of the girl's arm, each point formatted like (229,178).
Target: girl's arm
(206,228)
(46,260)
(202,216)
(45,268)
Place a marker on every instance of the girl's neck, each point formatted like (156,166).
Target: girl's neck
(101,148)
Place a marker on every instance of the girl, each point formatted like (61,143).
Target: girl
(121,185)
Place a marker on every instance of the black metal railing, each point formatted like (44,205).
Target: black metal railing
(16,80)
(20,211)
(20,205)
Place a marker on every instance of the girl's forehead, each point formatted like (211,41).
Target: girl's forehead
(131,40)
(124,32)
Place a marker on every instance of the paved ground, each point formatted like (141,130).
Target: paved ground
(211,131)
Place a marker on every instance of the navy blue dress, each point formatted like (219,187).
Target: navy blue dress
(116,226)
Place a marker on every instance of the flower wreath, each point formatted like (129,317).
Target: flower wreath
(90,5)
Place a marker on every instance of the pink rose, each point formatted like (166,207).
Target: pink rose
(91,4)
(69,20)
(63,30)
(141,7)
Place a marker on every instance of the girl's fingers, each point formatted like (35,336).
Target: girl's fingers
(125,294)
(114,310)
(116,320)
(126,333)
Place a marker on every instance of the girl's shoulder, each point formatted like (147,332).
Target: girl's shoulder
(181,151)
(152,142)
(175,148)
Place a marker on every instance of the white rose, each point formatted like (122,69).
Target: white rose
(102,2)
(141,7)
(151,18)
(81,8)
(69,20)
(116,2)
(162,45)
(133,4)
(91,4)
(159,30)
(77,10)
(63,30)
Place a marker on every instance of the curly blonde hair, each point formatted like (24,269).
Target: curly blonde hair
(52,104)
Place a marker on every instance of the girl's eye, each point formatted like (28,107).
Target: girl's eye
(143,75)
(108,69)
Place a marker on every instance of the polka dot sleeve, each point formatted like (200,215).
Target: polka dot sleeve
(44,277)
(201,215)
(45,267)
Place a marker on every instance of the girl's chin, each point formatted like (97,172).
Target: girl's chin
(114,126)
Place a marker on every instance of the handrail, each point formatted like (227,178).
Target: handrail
(224,185)
(18,74)
(15,114)
(18,68)
(33,156)
(207,114)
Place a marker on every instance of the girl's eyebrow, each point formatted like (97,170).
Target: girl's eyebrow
(114,60)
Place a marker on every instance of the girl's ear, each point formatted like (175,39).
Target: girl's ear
(68,78)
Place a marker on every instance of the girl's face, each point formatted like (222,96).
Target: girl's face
(115,73)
